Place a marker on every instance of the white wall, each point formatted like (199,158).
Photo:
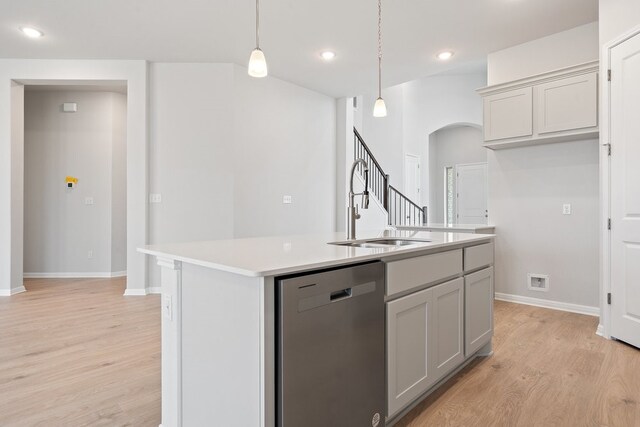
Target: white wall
(225,148)
(284,144)
(617,17)
(59,229)
(571,47)
(451,146)
(528,186)
(191,149)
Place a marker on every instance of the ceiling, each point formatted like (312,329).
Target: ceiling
(293,32)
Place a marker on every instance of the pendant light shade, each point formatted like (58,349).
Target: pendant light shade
(379,108)
(257,61)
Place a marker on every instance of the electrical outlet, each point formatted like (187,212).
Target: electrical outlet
(566,209)
(287,200)
(90,254)
(155,198)
(88,200)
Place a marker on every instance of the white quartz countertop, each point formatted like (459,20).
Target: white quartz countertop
(271,256)
(454,228)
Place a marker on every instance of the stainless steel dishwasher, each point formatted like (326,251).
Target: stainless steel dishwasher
(330,348)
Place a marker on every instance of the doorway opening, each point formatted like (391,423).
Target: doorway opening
(457,176)
(75,181)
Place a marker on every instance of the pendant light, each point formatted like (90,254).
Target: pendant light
(257,61)
(379,108)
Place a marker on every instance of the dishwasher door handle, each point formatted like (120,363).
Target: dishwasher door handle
(338,295)
(327,298)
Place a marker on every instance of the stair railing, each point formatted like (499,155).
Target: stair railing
(401,210)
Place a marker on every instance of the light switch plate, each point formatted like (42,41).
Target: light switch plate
(88,200)
(287,200)
(566,209)
(155,198)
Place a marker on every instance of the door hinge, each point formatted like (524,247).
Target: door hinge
(609,75)
(608,149)
(609,224)
(609,298)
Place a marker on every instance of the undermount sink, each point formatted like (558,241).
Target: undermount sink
(380,242)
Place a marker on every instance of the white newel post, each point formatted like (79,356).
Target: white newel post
(171,280)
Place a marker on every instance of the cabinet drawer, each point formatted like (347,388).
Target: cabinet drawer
(478,256)
(409,273)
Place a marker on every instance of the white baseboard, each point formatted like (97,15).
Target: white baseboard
(13,291)
(600,330)
(136,292)
(555,305)
(81,275)
(154,290)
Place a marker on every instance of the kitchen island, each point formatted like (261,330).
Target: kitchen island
(219,305)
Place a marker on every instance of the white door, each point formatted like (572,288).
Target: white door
(625,191)
(471,200)
(412,178)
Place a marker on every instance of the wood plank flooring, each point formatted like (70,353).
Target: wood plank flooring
(548,369)
(78,353)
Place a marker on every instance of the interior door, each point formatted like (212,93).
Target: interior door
(625,191)
(471,200)
(412,178)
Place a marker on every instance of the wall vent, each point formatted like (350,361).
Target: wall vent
(538,282)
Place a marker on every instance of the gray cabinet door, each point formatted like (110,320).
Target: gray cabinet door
(478,310)
(409,353)
(567,104)
(508,114)
(448,327)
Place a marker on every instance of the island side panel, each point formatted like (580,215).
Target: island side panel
(170,335)
(223,352)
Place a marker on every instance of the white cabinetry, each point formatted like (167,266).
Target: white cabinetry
(409,332)
(552,107)
(425,333)
(448,327)
(508,114)
(478,310)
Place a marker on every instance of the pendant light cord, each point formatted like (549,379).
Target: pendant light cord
(379,48)
(258,24)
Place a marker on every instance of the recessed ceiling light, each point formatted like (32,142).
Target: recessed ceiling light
(443,56)
(31,32)
(328,55)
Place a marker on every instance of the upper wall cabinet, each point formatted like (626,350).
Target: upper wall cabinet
(552,107)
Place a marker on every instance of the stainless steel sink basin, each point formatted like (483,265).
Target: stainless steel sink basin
(380,242)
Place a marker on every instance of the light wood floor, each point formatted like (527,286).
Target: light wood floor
(77,353)
(548,369)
